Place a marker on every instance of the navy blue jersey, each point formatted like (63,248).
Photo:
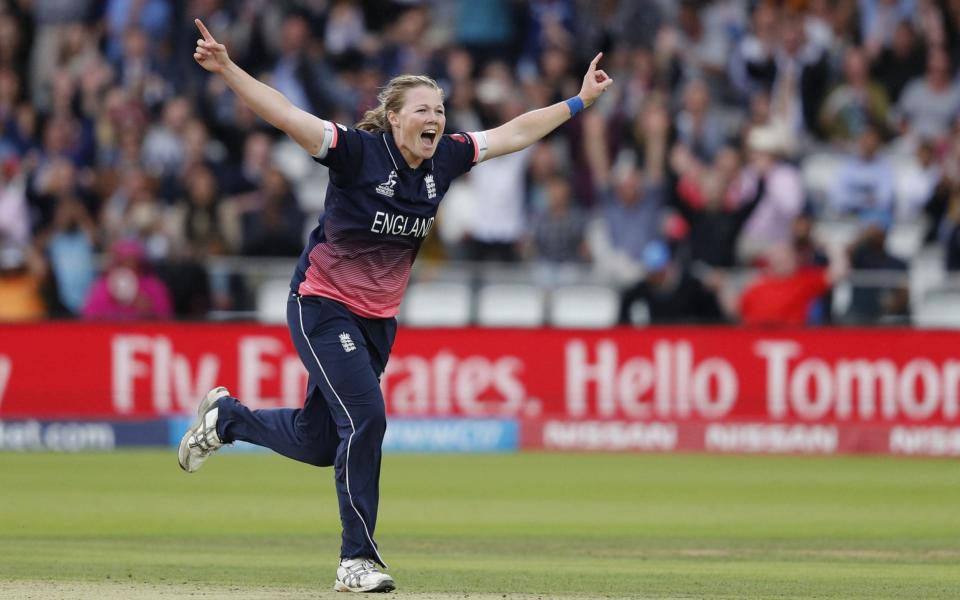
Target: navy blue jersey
(377,213)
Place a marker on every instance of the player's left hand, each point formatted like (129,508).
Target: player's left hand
(595,82)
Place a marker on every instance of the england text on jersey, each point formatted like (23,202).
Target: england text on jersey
(394,224)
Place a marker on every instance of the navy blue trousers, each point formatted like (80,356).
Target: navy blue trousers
(343,420)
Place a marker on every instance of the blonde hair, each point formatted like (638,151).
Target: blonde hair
(391,100)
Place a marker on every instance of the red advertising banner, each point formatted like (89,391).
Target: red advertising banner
(716,386)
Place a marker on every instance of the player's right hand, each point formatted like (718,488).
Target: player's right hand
(211,55)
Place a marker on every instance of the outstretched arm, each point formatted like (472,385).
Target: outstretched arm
(530,127)
(269,104)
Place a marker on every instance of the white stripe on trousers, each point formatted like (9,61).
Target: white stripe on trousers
(353,430)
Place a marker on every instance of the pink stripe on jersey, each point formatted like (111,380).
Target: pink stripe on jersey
(476,147)
(369,281)
(336,135)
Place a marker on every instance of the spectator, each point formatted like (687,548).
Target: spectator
(273,226)
(248,175)
(21,278)
(406,48)
(52,18)
(630,218)
(202,218)
(948,195)
(545,165)
(671,293)
(14,49)
(15,223)
(346,31)
(777,58)
(549,23)
(485,29)
(929,105)
(705,32)
(163,144)
(887,299)
(133,209)
(811,254)
(800,78)
(699,127)
(138,70)
(879,19)
(705,201)
(632,201)
(917,180)
(785,292)
(558,233)
(55,180)
(153,16)
(864,182)
(783,195)
(900,62)
(752,67)
(498,219)
(18,121)
(127,290)
(294,74)
(70,247)
(942,209)
(855,103)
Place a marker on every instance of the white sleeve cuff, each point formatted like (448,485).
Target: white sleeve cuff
(329,140)
(479,144)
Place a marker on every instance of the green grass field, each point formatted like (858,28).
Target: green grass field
(131,525)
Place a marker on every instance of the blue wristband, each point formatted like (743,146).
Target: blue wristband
(575,105)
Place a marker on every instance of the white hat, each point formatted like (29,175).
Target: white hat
(769,138)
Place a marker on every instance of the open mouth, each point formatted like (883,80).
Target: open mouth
(429,136)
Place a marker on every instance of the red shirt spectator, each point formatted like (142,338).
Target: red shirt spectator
(785,292)
(778,300)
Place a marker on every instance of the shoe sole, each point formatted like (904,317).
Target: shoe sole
(184,450)
(380,588)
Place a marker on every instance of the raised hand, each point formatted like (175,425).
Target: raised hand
(595,82)
(211,55)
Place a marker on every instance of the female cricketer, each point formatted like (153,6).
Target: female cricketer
(387,177)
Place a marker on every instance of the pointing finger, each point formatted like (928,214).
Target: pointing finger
(203,30)
(596,59)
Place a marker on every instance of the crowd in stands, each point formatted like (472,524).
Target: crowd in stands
(124,167)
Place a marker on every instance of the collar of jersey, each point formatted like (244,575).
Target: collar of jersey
(398,158)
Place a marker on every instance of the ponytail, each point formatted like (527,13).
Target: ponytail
(375,120)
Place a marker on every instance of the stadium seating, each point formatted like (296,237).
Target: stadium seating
(939,309)
(437,304)
(511,305)
(583,306)
(272,301)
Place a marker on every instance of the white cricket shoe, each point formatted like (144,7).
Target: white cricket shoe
(201,440)
(362,575)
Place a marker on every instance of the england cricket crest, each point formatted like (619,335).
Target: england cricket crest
(347,342)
